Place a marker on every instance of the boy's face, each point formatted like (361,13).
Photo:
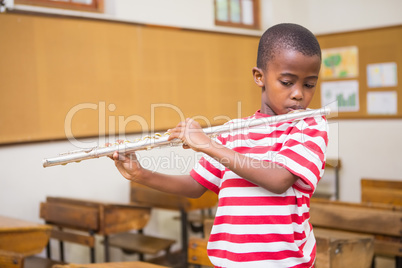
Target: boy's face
(288,82)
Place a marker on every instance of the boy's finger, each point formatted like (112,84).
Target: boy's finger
(185,146)
(118,157)
(131,156)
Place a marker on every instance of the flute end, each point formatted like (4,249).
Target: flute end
(45,163)
(331,110)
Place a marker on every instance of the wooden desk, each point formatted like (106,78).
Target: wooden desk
(21,239)
(135,264)
(339,249)
(142,195)
(388,192)
(22,236)
(98,217)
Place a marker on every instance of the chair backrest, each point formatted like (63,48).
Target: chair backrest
(70,215)
(143,195)
(197,252)
(96,216)
(381,191)
(66,217)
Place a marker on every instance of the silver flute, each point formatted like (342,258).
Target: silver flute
(158,140)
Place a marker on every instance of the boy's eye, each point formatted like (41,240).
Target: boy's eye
(309,85)
(286,83)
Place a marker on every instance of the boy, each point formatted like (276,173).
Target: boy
(264,176)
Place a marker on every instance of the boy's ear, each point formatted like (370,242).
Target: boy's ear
(258,75)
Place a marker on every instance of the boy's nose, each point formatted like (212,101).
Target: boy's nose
(297,93)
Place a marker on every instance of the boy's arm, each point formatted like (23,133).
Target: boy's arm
(268,175)
(129,166)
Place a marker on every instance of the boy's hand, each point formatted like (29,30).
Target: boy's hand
(128,165)
(191,134)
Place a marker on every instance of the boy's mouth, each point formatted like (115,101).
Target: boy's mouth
(296,107)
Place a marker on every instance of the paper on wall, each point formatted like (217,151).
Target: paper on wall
(382,102)
(341,62)
(382,75)
(345,93)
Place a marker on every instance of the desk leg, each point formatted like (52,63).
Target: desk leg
(184,236)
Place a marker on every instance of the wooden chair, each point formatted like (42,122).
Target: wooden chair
(197,247)
(71,223)
(77,221)
(141,244)
(335,165)
(39,262)
(381,191)
(197,252)
(142,195)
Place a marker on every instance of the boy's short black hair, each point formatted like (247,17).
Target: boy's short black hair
(286,36)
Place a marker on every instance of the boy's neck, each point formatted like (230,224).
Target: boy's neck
(266,109)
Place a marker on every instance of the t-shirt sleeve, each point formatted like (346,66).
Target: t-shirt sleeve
(208,172)
(303,152)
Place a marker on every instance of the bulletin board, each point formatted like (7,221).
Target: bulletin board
(368,84)
(67,77)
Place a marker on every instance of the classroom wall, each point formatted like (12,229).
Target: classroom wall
(367,148)
(321,17)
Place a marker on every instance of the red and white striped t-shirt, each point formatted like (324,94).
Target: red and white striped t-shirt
(254,227)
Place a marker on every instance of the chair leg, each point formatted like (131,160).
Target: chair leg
(92,249)
(141,257)
(61,250)
(61,247)
(48,250)
(106,245)
(184,236)
(373,262)
(398,262)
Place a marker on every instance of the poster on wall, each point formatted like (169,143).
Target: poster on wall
(340,62)
(382,102)
(345,93)
(382,75)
